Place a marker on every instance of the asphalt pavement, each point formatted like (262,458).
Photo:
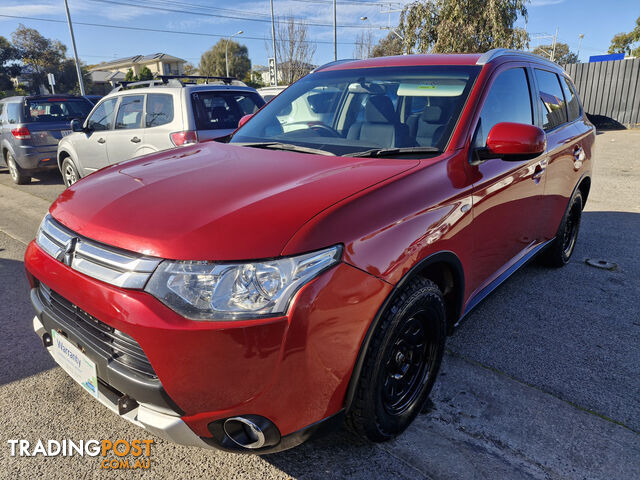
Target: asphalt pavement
(541,381)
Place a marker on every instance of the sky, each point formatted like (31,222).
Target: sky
(204,22)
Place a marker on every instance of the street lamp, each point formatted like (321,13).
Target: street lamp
(226,50)
(581,36)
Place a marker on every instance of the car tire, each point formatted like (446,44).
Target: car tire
(69,172)
(401,363)
(17,176)
(561,248)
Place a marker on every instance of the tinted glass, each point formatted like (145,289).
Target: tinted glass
(13,112)
(354,110)
(223,110)
(509,100)
(56,110)
(102,117)
(130,112)
(159,109)
(573,106)
(551,99)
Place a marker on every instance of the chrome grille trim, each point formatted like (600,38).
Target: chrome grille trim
(110,265)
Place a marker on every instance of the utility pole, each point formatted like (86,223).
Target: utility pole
(273,40)
(75,51)
(553,48)
(226,50)
(580,37)
(335,33)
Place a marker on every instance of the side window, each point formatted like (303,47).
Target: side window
(554,112)
(13,112)
(573,106)
(1,113)
(102,117)
(130,112)
(508,100)
(159,109)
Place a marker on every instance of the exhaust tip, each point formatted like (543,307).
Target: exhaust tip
(244,432)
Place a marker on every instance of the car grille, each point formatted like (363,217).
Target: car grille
(113,344)
(111,265)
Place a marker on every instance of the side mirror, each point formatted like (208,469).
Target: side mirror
(514,142)
(76,125)
(244,120)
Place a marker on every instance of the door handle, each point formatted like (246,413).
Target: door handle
(537,173)
(101,140)
(136,140)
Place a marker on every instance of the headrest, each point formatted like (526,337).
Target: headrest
(431,114)
(379,109)
(55,109)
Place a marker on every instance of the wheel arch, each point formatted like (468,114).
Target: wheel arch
(445,269)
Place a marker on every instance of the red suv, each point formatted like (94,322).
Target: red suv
(245,294)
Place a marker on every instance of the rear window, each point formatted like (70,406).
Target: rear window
(552,102)
(159,109)
(56,110)
(223,110)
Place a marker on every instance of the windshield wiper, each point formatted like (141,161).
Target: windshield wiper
(286,146)
(388,152)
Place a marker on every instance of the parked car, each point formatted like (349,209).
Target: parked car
(244,295)
(30,129)
(131,122)
(269,93)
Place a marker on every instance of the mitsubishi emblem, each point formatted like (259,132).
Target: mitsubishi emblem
(66,256)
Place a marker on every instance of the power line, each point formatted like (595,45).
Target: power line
(232,17)
(143,29)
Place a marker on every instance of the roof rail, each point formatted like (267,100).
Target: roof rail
(335,62)
(500,52)
(149,83)
(182,78)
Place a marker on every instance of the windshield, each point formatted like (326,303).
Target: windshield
(350,111)
(56,109)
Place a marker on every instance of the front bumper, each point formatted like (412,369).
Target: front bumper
(293,370)
(161,424)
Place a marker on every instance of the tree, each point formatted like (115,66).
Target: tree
(130,77)
(145,74)
(388,46)
(254,79)
(459,26)
(624,42)
(42,54)
(8,64)
(67,77)
(212,62)
(294,49)
(364,45)
(562,54)
(190,69)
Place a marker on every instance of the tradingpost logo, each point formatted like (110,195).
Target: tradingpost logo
(114,455)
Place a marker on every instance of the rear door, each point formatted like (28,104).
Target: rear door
(161,120)
(126,140)
(508,195)
(559,114)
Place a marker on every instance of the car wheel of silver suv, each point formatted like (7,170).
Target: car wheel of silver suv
(69,171)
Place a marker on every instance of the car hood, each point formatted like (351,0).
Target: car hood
(214,201)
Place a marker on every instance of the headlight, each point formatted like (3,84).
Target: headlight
(235,291)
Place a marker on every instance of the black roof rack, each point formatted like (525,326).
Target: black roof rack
(176,81)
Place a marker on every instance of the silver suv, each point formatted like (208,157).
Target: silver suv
(30,129)
(145,117)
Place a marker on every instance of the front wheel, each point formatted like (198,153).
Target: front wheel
(563,245)
(401,364)
(17,176)
(69,171)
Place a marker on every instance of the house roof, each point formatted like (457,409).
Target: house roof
(139,59)
(105,76)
